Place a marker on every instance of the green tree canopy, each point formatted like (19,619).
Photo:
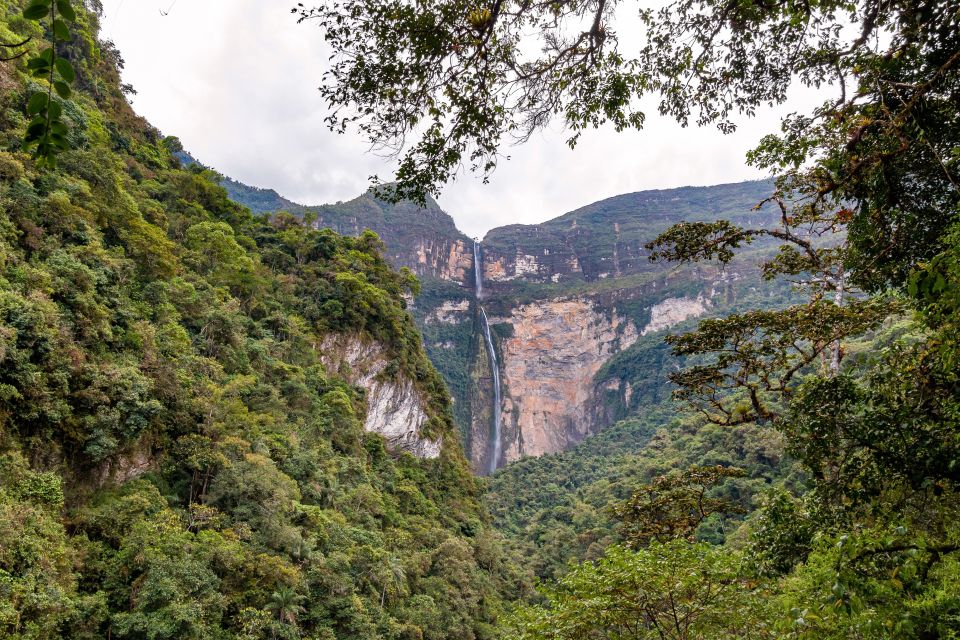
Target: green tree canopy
(448,82)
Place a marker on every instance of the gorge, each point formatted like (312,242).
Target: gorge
(569,336)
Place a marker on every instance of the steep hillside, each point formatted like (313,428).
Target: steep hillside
(212,424)
(256,199)
(606,239)
(423,239)
(556,508)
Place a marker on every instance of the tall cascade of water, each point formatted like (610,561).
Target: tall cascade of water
(477,271)
(492,355)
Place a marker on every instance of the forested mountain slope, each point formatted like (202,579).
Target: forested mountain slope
(212,424)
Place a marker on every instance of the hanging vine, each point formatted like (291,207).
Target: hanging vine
(47,133)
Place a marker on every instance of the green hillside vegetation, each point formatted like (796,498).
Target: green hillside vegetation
(450,347)
(256,199)
(404,222)
(557,509)
(175,461)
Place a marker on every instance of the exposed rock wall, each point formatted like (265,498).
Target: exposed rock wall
(673,311)
(118,469)
(449,312)
(607,239)
(549,363)
(544,267)
(395,407)
(441,258)
(529,253)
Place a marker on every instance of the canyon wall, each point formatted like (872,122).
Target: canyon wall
(549,363)
(556,355)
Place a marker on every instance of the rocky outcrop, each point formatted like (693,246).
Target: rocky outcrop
(449,312)
(395,407)
(524,266)
(444,259)
(607,239)
(126,466)
(549,364)
(673,311)
(528,253)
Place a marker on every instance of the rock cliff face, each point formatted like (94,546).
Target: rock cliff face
(577,312)
(574,295)
(673,311)
(606,239)
(423,239)
(549,364)
(524,253)
(449,312)
(395,408)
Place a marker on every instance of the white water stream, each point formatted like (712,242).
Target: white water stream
(492,355)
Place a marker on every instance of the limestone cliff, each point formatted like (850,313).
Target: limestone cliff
(606,239)
(395,407)
(549,363)
(673,311)
(569,363)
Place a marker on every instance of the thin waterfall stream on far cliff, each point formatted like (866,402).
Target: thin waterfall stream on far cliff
(492,354)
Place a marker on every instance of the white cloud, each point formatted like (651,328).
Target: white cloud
(236,81)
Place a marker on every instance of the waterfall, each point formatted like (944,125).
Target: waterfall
(492,356)
(477,271)
(495,368)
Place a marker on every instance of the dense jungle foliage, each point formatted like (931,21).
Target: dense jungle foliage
(857,536)
(557,509)
(175,460)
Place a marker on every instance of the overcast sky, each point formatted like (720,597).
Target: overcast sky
(236,81)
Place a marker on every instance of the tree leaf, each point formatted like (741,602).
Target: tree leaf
(59,141)
(60,30)
(62,89)
(63,6)
(36,129)
(66,69)
(37,103)
(37,10)
(35,63)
